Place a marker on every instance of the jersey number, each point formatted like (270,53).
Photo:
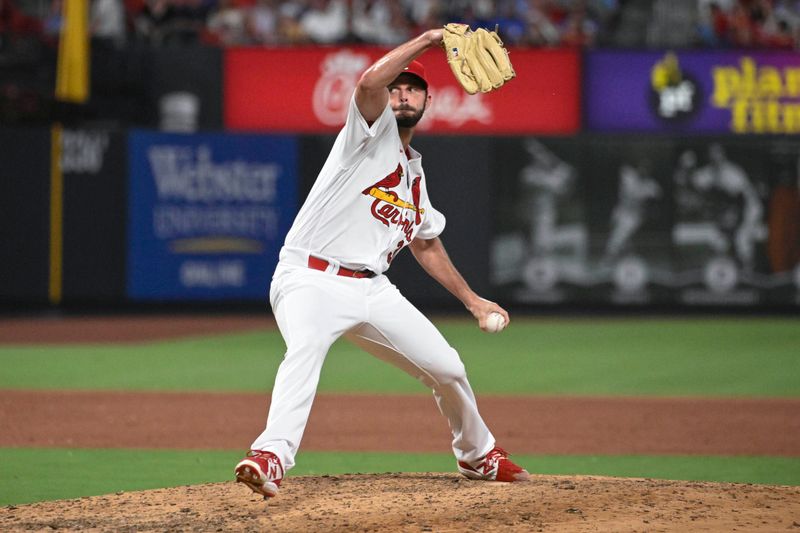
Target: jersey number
(393,253)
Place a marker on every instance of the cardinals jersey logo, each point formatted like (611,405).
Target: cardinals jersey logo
(388,207)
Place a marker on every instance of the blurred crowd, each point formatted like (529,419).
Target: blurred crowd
(746,24)
(531,23)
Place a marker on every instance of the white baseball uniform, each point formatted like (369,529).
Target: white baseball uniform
(369,202)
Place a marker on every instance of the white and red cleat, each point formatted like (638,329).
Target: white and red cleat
(261,471)
(494,466)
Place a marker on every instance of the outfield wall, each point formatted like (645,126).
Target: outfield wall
(143,216)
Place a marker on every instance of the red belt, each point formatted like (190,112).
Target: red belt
(320,264)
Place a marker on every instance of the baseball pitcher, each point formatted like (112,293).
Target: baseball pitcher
(368,203)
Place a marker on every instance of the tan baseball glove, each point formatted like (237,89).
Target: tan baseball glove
(477,58)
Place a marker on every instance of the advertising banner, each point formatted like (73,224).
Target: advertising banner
(540,248)
(735,235)
(309,89)
(207,214)
(582,221)
(703,221)
(739,92)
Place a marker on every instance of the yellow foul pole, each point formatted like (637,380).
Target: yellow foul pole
(72,73)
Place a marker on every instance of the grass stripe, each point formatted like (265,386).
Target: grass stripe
(669,357)
(30,475)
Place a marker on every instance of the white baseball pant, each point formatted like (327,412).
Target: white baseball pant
(313,309)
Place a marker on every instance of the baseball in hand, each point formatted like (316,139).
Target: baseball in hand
(495,323)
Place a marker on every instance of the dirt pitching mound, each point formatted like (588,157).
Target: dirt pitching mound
(427,502)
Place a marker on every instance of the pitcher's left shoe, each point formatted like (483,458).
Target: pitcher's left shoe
(261,471)
(494,466)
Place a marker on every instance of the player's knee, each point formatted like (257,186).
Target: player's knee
(306,346)
(451,370)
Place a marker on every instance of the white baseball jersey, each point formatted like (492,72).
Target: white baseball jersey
(369,200)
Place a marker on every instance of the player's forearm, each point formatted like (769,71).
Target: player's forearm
(387,68)
(433,258)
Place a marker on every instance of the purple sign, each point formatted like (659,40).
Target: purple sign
(704,92)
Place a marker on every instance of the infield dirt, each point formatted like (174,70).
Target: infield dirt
(427,502)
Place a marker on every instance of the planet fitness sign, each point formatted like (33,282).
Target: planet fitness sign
(704,92)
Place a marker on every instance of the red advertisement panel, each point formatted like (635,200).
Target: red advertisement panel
(308,90)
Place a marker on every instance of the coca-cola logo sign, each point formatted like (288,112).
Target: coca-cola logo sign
(308,90)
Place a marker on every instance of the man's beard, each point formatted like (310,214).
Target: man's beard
(409,121)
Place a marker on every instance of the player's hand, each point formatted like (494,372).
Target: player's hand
(435,36)
(481,308)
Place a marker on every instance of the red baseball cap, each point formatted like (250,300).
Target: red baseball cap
(417,69)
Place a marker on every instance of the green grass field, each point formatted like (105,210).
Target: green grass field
(720,357)
(679,357)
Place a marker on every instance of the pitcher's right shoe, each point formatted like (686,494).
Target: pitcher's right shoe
(494,466)
(261,471)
